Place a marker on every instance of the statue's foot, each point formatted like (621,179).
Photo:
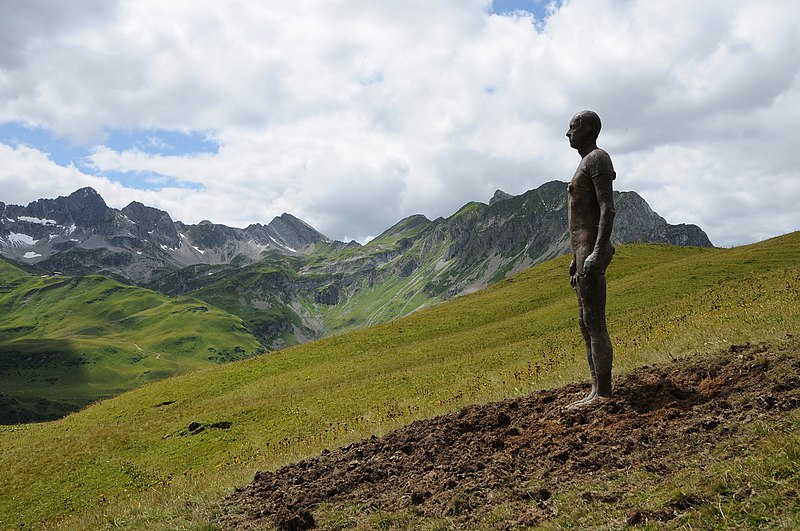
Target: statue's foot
(583,400)
(591,400)
(575,405)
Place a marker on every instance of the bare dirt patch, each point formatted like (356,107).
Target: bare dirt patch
(519,452)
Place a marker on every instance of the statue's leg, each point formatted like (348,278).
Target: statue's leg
(587,339)
(594,315)
(588,342)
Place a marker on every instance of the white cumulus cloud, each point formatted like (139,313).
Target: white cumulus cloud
(352,115)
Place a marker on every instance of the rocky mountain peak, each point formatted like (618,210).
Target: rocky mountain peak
(207,235)
(87,192)
(151,224)
(82,207)
(637,222)
(294,232)
(499,195)
(145,215)
(87,207)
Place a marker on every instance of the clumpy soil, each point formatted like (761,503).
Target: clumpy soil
(521,451)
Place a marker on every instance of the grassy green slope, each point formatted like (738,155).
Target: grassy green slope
(400,286)
(381,302)
(258,294)
(132,459)
(66,342)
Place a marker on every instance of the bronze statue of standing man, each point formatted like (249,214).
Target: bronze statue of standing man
(591,217)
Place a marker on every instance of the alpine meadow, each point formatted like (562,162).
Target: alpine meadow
(165,454)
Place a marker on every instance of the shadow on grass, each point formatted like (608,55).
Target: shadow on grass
(38,377)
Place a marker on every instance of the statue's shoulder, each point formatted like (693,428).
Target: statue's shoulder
(598,154)
(598,162)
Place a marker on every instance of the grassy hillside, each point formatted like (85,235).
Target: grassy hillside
(161,455)
(66,342)
(259,294)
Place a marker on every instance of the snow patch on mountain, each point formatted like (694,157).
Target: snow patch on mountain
(21,239)
(37,221)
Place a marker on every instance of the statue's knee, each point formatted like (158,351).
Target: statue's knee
(590,321)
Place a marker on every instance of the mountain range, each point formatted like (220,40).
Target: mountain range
(289,282)
(81,234)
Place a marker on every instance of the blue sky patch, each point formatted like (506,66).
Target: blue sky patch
(149,180)
(538,8)
(60,150)
(161,142)
(158,142)
(152,141)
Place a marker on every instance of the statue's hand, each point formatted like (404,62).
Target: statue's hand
(589,264)
(573,279)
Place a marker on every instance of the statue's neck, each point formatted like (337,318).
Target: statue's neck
(588,148)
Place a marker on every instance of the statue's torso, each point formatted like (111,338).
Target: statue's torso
(595,169)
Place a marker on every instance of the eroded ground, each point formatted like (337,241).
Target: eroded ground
(518,454)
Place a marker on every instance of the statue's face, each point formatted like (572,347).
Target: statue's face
(578,133)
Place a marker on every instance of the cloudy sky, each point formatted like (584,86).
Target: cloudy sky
(352,114)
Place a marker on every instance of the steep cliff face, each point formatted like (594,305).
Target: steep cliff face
(636,222)
(508,235)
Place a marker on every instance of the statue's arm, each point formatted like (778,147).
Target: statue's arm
(604,191)
(605,199)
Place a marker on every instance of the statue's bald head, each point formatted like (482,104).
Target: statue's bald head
(591,121)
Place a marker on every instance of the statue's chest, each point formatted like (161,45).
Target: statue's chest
(581,184)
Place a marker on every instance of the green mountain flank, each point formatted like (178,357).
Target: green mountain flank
(163,455)
(68,341)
